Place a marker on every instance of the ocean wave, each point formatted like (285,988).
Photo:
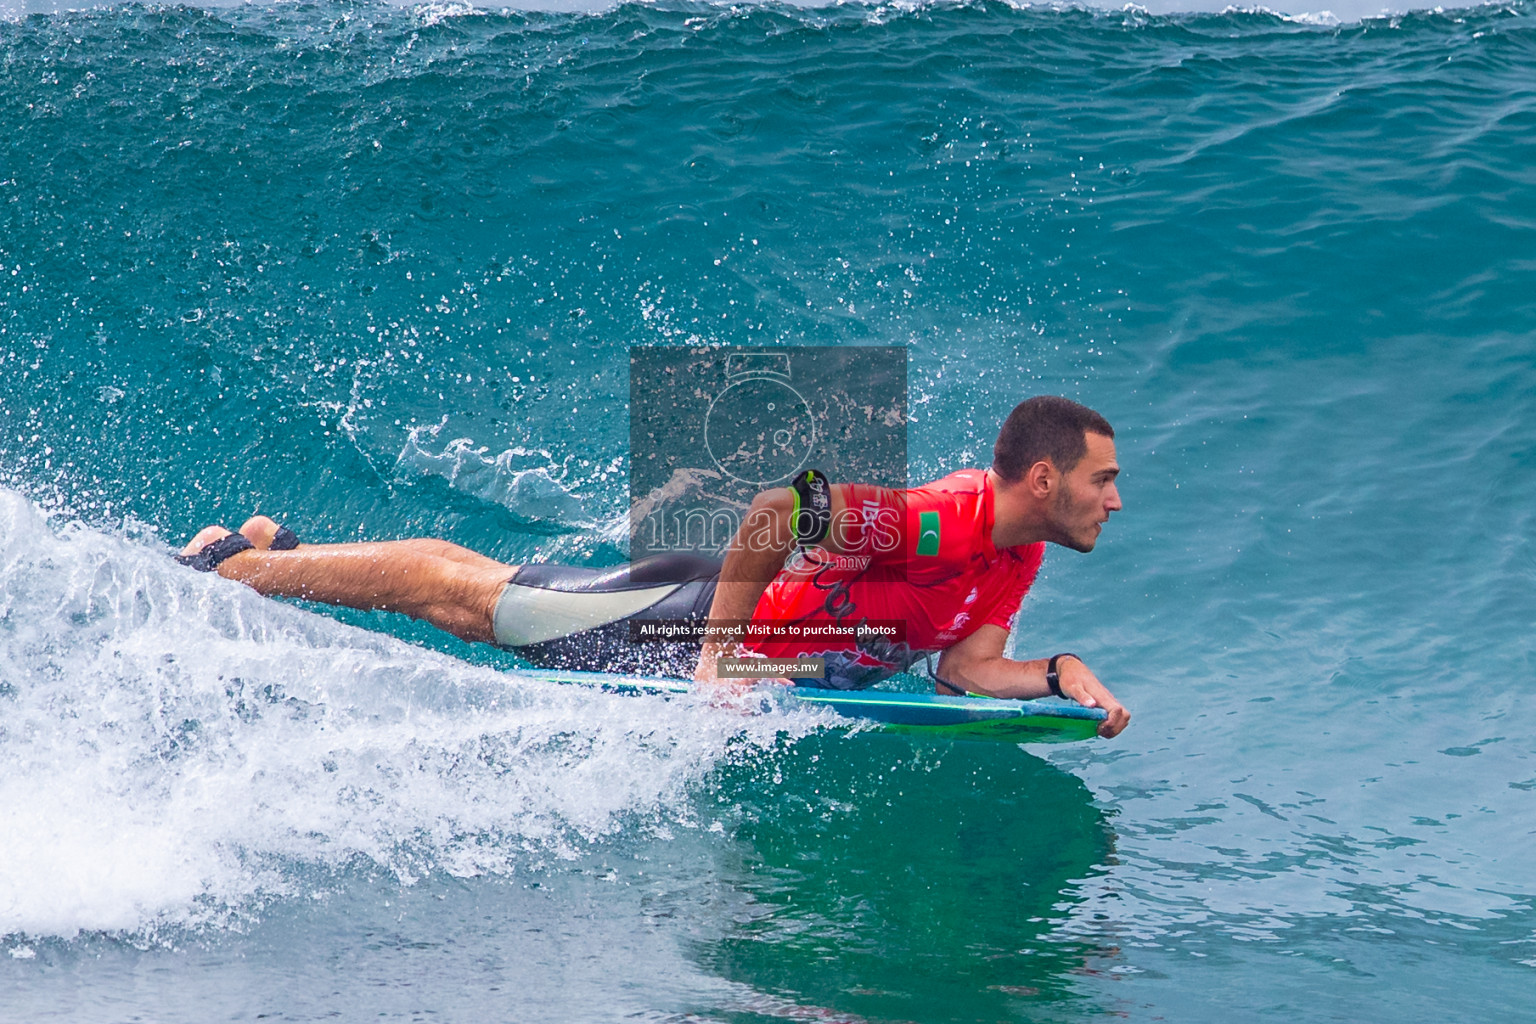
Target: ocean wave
(439,12)
(175,750)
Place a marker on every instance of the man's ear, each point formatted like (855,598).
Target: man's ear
(1041,479)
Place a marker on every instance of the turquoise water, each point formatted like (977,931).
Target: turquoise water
(376,271)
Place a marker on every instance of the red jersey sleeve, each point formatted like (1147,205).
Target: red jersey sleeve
(1023,577)
(872,522)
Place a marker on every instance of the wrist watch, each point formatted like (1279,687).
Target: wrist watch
(1052,677)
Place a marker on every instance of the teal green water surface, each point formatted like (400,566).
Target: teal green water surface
(376,270)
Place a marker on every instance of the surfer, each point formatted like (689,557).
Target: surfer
(866,580)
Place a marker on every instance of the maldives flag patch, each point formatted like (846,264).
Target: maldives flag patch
(928,533)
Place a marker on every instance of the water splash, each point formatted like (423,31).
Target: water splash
(525,481)
(175,749)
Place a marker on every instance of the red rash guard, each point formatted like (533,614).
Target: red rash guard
(922,559)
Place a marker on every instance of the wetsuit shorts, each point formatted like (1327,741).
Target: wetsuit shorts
(560,616)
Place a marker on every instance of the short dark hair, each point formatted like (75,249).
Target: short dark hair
(1045,427)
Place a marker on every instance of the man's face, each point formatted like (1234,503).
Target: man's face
(1087,496)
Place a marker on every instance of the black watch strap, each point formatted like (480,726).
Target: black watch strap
(1052,678)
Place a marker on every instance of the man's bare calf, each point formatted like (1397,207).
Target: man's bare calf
(451,587)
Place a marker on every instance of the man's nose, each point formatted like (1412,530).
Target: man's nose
(1113,502)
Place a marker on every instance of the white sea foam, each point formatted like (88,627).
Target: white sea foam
(175,749)
(435,13)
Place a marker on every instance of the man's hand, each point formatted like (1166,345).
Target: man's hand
(704,671)
(708,671)
(978,664)
(1078,682)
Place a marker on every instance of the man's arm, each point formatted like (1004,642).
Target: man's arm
(977,664)
(757,553)
(755,556)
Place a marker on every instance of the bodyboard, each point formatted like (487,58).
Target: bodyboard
(923,714)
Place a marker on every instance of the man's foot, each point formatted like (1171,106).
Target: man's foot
(266,535)
(207,535)
(212,545)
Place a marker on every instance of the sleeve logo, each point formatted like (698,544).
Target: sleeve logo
(928,533)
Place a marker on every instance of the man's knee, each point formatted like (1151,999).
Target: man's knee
(460,599)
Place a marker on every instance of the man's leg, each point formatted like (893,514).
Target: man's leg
(451,587)
(261,531)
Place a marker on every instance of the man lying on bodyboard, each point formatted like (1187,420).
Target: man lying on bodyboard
(816,570)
